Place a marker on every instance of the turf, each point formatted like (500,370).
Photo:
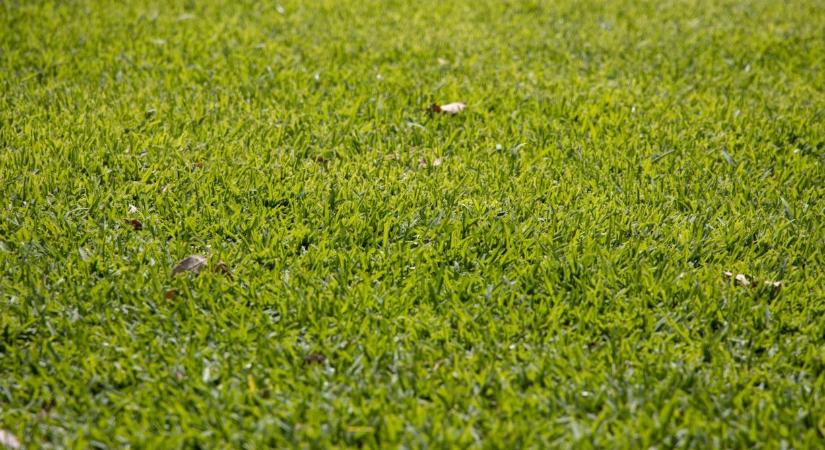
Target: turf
(543,269)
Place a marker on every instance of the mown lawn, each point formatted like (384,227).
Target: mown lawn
(544,269)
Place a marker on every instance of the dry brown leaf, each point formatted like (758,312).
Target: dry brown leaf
(192,263)
(314,358)
(9,440)
(136,224)
(170,294)
(222,268)
(449,108)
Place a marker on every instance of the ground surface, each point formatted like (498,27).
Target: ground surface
(543,269)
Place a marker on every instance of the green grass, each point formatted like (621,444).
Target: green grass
(555,281)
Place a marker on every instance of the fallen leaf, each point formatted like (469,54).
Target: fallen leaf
(422,163)
(314,358)
(222,268)
(740,278)
(197,164)
(136,224)
(449,108)
(9,440)
(170,294)
(775,285)
(192,263)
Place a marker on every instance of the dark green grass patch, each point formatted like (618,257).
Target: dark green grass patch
(543,269)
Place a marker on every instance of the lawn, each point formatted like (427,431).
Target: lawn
(546,268)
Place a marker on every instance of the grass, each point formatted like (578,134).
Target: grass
(555,281)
